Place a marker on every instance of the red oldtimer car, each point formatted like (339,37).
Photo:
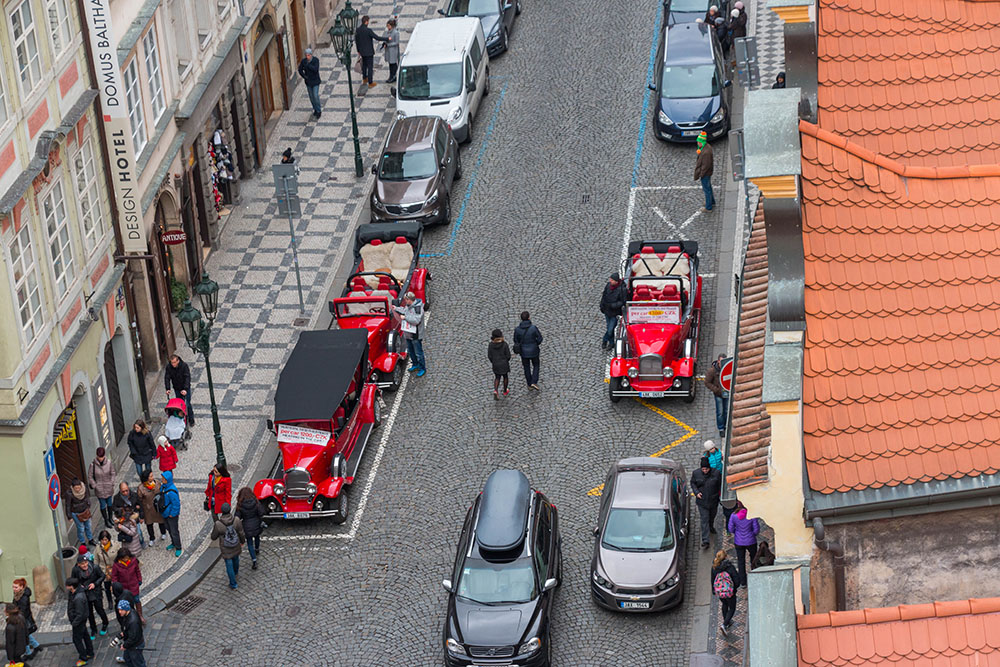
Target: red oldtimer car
(324,414)
(656,341)
(386,256)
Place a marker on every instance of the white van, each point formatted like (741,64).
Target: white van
(444,72)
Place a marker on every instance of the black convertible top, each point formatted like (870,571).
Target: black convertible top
(503,511)
(317,374)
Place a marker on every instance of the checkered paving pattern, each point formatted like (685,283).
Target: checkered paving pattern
(769,30)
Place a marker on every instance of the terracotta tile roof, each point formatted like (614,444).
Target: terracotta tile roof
(750,437)
(902,297)
(923,92)
(962,633)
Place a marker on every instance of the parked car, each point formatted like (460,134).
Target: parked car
(386,266)
(693,93)
(656,340)
(324,413)
(508,566)
(497,17)
(689,11)
(641,536)
(413,177)
(445,72)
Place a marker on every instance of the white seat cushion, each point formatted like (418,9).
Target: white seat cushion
(681,268)
(400,256)
(376,258)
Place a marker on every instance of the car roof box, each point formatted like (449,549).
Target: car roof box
(503,511)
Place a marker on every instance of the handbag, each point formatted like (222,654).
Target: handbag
(84,515)
(205,504)
(357,65)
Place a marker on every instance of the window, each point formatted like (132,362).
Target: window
(477,53)
(135,114)
(59,25)
(94,224)
(26,291)
(57,228)
(152,59)
(542,537)
(22,24)
(441,142)
(3,102)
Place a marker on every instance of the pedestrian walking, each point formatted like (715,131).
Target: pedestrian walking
(251,515)
(612,302)
(77,508)
(724,584)
(391,47)
(287,157)
(169,504)
(141,448)
(713,454)
(22,598)
(104,560)
(714,385)
(91,580)
(126,571)
(219,491)
(166,455)
(76,611)
(309,71)
(703,170)
(151,516)
(128,530)
(101,476)
(228,529)
(706,482)
(745,533)
(132,639)
(178,376)
(365,39)
(779,81)
(412,326)
(764,557)
(527,342)
(498,353)
(120,594)
(738,21)
(15,635)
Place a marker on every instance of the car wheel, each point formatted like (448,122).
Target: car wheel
(468,129)
(446,213)
(517,8)
(377,413)
(343,509)
(486,90)
(690,397)
(458,166)
(395,378)
(614,384)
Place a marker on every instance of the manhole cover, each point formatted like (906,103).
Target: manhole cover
(292,611)
(300,322)
(188,604)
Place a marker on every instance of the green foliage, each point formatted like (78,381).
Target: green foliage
(178,293)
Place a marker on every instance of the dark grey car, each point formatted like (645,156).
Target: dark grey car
(639,550)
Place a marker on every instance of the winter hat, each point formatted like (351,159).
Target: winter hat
(719,20)
(735,13)
(496,334)
(709,445)
(704,462)
(713,8)
(701,141)
(100,452)
(82,550)
(82,558)
(309,50)
(738,5)
(161,441)
(124,605)
(742,513)
(226,509)
(287,153)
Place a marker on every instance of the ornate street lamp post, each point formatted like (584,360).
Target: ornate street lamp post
(342,36)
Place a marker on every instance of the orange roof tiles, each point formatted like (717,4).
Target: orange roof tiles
(902,295)
(925,91)
(962,633)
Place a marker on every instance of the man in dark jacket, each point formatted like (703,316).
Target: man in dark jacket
(706,483)
(365,38)
(703,170)
(178,375)
(132,639)
(90,580)
(309,71)
(76,610)
(721,397)
(527,339)
(612,302)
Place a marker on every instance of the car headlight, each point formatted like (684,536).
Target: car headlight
(672,581)
(433,198)
(494,33)
(633,372)
(719,115)
(279,489)
(454,647)
(529,646)
(664,118)
(668,372)
(601,581)
(455,114)
(311,489)
(677,382)
(625,384)
(377,203)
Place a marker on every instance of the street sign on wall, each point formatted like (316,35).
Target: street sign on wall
(174,237)
(54,491)
(726,375)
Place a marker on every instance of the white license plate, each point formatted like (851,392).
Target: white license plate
(629,604)
(652,394)
(690,133)
(296,515)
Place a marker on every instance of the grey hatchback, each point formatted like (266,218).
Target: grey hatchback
(639,553)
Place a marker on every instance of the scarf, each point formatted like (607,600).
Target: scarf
(79,495)
(125,562)
(17,595)
(151,484)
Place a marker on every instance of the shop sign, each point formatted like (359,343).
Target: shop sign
(174,237)
(118,132)
(66,433)
(101,412)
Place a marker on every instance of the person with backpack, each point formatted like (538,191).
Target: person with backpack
(228,529)
(148,488)
(527,342)
(101,476)
(724,584)
(168,503)
(219,491)
(251,514)
(498,353)
(22,598)
(745,533)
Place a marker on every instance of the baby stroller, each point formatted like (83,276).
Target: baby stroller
(177,429)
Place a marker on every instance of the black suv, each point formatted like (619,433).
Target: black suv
(508,566)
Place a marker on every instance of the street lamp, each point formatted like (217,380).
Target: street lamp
(197,334)
(342,36)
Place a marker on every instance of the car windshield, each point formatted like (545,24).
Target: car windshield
(408,165)
(689,6)
(689,81)
(430,82)
(492,583)
(474,8)
(638,530)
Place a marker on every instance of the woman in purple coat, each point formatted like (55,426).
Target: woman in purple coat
(744,532)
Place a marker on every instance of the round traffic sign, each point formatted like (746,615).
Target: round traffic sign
(54,491)
(726,375)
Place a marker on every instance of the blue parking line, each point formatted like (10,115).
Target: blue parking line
(472,177)
(645,100)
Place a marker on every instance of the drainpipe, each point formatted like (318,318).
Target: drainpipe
(836,550)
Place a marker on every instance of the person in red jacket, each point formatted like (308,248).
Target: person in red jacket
(219,491)
(166,455)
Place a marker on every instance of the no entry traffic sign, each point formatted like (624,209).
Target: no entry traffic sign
(726,375)
(54,491)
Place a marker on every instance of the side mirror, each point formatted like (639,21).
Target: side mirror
(550,584)
(442,12)
(727,83)
(270,425)
(447,585)
(651,87)
(472,86)
(507,5)
(597,531)
(374,168)
(333,309)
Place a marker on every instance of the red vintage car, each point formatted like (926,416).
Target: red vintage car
(324,413)
(656,341)
(386,258)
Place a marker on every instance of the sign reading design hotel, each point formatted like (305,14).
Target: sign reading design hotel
(116,123)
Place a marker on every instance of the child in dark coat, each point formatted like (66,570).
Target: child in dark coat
(499,355)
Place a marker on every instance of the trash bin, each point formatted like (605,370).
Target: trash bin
(67,561)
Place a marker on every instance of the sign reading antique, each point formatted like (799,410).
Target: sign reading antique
(300,434)
(175,237)
(118,133)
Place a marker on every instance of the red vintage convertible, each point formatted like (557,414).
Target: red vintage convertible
(656,341)
(386,258)
(324,415)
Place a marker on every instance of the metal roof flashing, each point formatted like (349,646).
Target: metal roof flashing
(782,373)
(503,511)
(771,133)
